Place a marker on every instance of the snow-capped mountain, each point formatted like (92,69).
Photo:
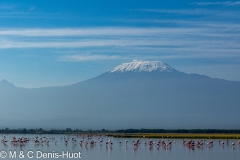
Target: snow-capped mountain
(138,94)
(143,66)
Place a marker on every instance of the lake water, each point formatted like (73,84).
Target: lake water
(68,146)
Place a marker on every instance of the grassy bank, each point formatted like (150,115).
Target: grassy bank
(177,135)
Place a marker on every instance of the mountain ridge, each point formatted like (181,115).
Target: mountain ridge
(136,66)
(6,85)
(127,100)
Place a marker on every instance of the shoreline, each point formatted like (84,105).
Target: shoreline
(178,135)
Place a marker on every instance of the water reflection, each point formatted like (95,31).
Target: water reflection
(101,147)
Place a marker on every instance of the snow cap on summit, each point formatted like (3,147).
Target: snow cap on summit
(143,66)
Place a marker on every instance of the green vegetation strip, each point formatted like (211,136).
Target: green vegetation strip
(177,135)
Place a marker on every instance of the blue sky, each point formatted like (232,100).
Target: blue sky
(56,42)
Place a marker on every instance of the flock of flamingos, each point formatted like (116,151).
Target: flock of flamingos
(85,140)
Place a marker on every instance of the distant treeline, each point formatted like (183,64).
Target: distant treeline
(178,131)
(72,131)
(40,131)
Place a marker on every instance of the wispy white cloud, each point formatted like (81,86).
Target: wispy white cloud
(213,39)
(127,42)
(226,3)
(88,57)
(179,11)
(6,6)
(200,28)
(180,39)
(28,14)
(32,8)
(104,31)
(207,13)
(74,44)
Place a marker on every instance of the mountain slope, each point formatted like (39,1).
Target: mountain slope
(129,97)
(4,84)
(167,99)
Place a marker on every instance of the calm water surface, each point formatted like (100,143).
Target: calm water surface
(70,144)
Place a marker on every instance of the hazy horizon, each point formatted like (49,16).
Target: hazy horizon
(91,78)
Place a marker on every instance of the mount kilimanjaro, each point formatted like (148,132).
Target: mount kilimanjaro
(139,94)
